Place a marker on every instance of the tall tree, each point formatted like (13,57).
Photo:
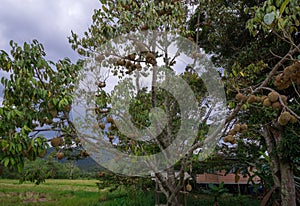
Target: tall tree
(257,43)
(133,40)
(36,99)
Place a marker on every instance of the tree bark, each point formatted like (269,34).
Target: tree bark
(282,171)
(288,191)
(274,160)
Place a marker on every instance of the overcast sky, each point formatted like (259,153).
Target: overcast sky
(48,21)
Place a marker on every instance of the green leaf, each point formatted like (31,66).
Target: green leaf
(5,161)
(12,161)
(19,167)
(19,147)
(18,113)
(26,129)
(283,6)
(104,8)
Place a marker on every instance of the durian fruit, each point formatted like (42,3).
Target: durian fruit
(273,96)
(237,127)
(240,97)
(230,138)
(112,127)
(60,155)
(188,187)
(144,27)
(128,64)
(257,99)
(47,120)
(267,102)
(84,154)
(283,98)
(284,118)
(292,70)
(121,62)
(110,120)
(139,67)
(225,139)
(57,141)
(282,81)
(102,126)
(293,119)
(150,57)
(42,153)
(53,113)
(107,53)
(126,7)
(251,99)
(290,74)
(244,127)
(278,80)
(131,57)
(298,78)
(262,98)
(232,132)
(101,84)
(67,108)
(276,105)
(133,67)
(233,141)
(296,75)
(100,58)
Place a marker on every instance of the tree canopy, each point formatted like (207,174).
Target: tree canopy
(254,44)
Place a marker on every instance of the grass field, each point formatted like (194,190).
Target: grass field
(52,192)
(86,192)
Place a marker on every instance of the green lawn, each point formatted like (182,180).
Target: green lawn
(52,192)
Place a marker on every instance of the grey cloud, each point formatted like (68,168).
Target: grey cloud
(50,22)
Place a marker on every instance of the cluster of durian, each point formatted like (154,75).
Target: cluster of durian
(99,58)
(57,141)
(290,74)
(60,155)
(129,64)
(111,129)
(84,154)
(285,117)
(271,100)
(274,100)
(237,128)
(150,58)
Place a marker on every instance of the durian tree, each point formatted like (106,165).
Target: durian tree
(257,44)
(119,18)
(37,99)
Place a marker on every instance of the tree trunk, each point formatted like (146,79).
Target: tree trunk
(173,199)
(287,190)
(282,171)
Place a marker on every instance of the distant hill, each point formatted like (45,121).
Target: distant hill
(87,164)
